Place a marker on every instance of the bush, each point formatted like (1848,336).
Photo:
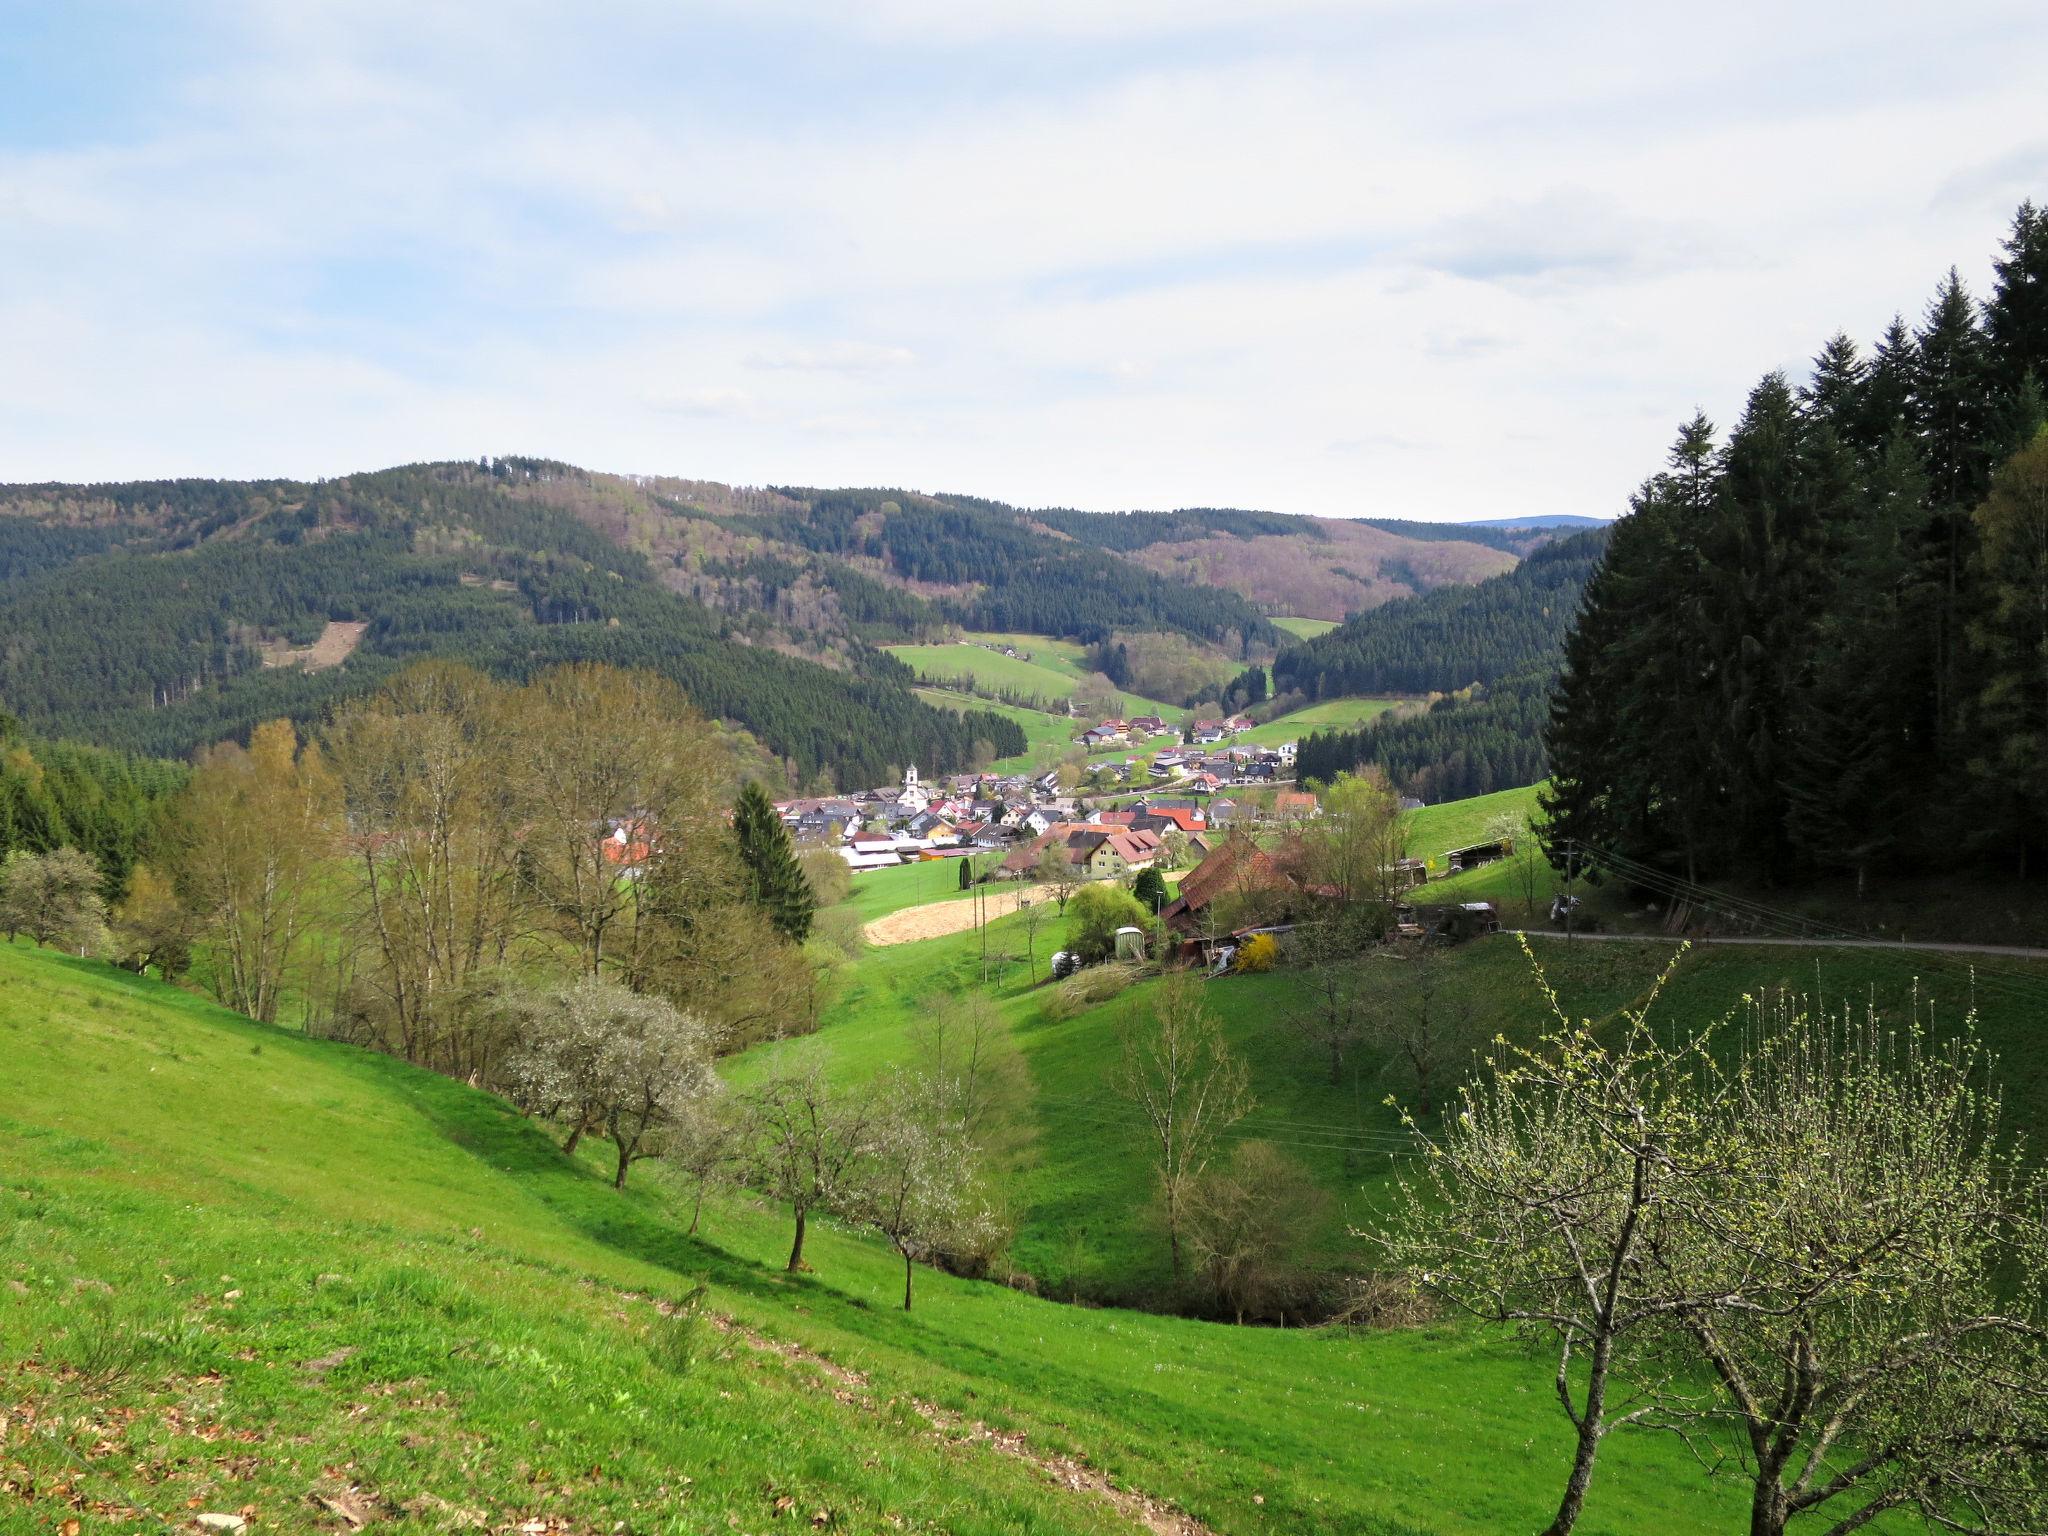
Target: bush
(1256,955)
(1093,917)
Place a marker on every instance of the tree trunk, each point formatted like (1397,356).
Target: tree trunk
(796,1248)
(1336,1064)
(1582,1476)
(696,1210)
(1767,1511)
(625,1162)
(575,1137)
(1592,1425)
(906,1282)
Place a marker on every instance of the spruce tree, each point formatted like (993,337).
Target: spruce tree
(1952,396)
(1887,391)
(774,880)
(1835,392)
(2016,317)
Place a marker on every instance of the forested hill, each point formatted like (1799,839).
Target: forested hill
(1821,644)
(897,564)
(142,616)
(990,567)
(1450,639)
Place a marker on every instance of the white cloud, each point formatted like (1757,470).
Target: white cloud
(1319,256)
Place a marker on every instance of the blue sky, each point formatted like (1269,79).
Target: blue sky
(1396,259)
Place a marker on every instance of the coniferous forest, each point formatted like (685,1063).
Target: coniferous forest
(1819,644)
(140,617)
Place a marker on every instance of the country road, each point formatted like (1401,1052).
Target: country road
(2008,951)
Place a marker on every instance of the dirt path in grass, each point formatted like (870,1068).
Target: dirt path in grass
(1072,1473)
(936,919)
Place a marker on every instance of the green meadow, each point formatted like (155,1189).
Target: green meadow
(249,1271)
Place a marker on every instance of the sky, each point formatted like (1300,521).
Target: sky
(1432,259)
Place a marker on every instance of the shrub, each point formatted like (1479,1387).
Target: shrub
(1095,914)
(1255,956)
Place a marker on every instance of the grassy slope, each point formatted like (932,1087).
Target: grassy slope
(1053,678)
(470,1299)
(1040,728)
(1325,715)
(1305,629)
(878,892)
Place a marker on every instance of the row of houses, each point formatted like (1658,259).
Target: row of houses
(922,819)
(1151,730)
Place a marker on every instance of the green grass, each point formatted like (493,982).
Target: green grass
(878,892)
(1068,656)
(1040,729)
(1435,830)
(437,1307)
(1054,672)
(1305,629)
(1326,715)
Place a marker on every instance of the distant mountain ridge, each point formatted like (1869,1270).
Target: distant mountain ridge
(1542,520)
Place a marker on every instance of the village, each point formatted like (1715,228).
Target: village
(1045,828)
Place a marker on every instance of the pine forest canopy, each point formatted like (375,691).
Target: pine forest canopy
(1821,644)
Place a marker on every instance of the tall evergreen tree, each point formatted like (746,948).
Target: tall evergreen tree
(774,880)
(1952,400)
(1835,392)
(2012,633)
(1887,393)
(2016,316)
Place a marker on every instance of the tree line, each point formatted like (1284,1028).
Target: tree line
(1468,743)
(1821,645)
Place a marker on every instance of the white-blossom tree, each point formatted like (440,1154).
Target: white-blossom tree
(602,1057)
(919,1184)
(808,1140)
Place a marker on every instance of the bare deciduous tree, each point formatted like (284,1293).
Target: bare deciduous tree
(1056,872)
(626,785)
(1187,1086)
(706,1140)
(1337,999)
(1248,1223)
(435,819)
(1429,1027)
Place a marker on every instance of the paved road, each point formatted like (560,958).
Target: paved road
(2010,952)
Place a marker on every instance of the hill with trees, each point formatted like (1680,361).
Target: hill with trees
(153,618)
(1821,644)
(1453,638)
